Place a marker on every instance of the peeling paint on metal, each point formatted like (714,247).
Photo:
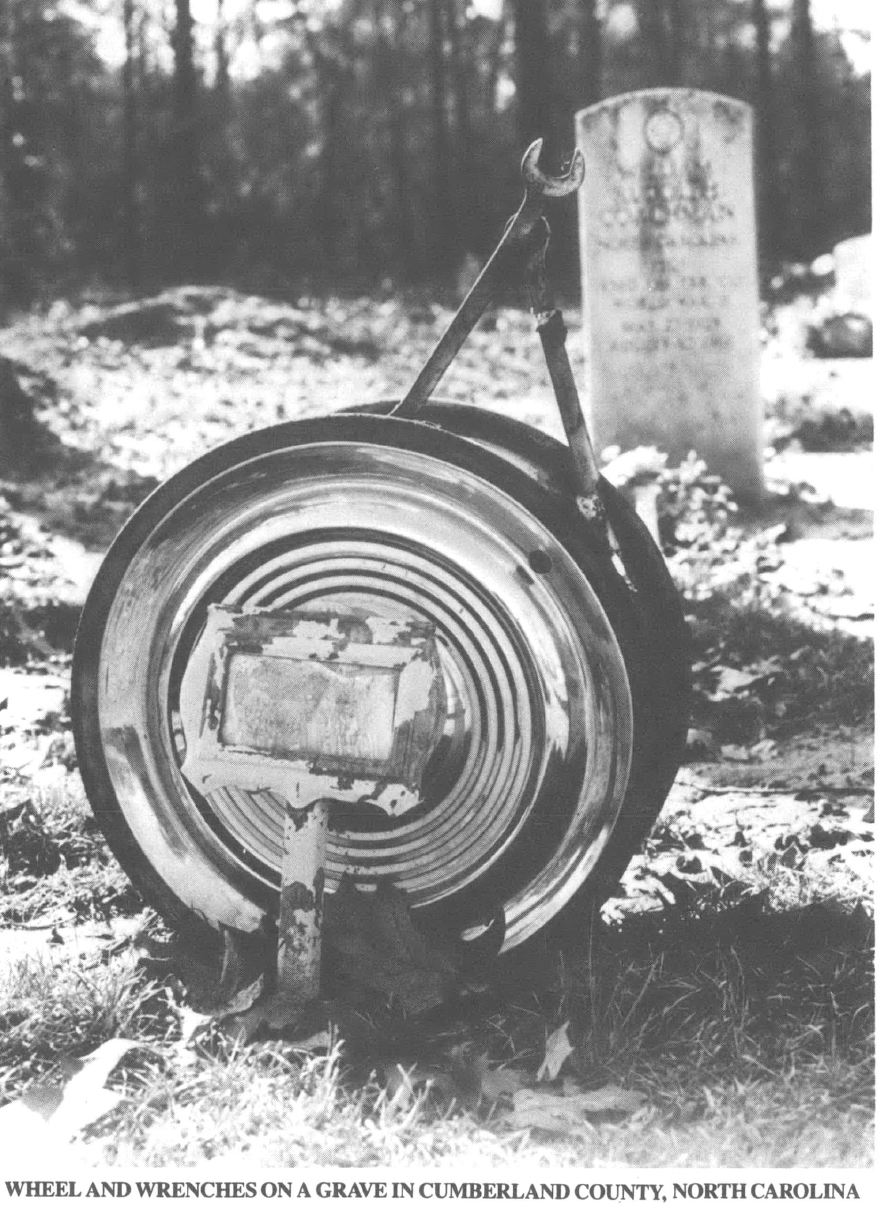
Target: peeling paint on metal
(298,818)
(313,707)
(415,690)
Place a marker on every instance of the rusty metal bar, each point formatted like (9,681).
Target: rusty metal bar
(506,255)
(552,332)
(302,902)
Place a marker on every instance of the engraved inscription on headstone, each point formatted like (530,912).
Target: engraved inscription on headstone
(670,283)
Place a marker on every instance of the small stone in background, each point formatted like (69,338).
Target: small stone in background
(846,336)
(852,273)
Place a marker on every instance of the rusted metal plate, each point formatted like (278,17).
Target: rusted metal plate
(312,706)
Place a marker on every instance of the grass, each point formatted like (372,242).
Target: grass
(749,1032)
(743,1011)
(51,1010)
(263,1111)
(55,866)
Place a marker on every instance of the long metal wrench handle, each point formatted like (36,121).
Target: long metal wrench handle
(515,243)
(552,332)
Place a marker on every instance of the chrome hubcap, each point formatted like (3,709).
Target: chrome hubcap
(521,793)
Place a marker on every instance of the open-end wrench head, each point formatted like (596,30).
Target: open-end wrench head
(542,183)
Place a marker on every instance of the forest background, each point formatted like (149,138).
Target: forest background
(350,143)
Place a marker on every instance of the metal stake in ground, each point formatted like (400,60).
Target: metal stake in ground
(301,910)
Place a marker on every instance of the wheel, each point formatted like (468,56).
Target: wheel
(539,644)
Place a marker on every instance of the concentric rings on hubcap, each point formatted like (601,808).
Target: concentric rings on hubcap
(522,791)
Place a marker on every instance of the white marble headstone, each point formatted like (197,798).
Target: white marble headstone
(670,281)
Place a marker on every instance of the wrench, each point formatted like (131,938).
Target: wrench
(516,242)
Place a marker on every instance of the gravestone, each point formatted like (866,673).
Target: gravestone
(852,272)
(670,280)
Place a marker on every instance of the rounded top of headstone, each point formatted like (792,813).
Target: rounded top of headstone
(667,100)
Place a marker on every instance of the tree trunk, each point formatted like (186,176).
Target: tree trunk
(184,149)
(333,73)
(443,219)
(20,188)
(387,65)
(590,53)
(534,109)
(468,224)
(675,42)
(770,202)
(493,59)
(221,57)
(652,28)
(131,234)
(809,192)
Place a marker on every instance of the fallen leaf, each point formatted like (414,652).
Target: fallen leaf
(546,1112)
(791,858)
(241,1000)
(566,1112)
(191,1021)
(733,751)
(732,683)
(380,949)
(320,1041)
(231,969)
(85,1100)
(468,1070)
(764,749)
(64,1111)
(699,742)
(405,1085)
(279,1013)
(43,1100)
(611,1098)
(557,1051)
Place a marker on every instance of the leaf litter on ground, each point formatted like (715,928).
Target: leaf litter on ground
(380,950)
(377,953)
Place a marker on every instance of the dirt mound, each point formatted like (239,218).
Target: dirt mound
(200,316)
(164,320)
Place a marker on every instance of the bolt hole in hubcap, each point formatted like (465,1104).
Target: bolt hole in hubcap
(521,792)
